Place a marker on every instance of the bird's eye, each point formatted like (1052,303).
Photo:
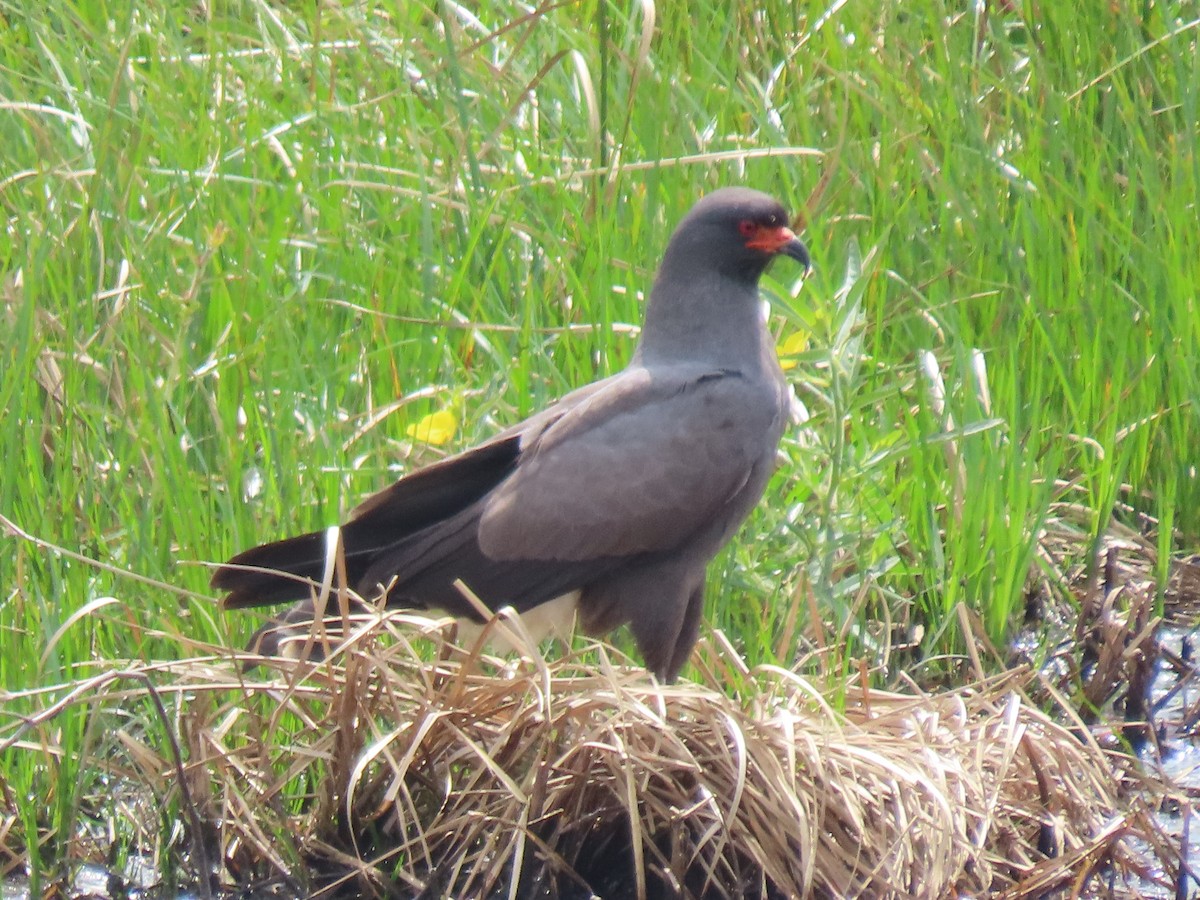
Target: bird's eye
(746,228)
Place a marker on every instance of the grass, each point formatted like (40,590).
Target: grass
(747,784)
(237,233)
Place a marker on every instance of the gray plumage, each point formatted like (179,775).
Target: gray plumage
(623,491)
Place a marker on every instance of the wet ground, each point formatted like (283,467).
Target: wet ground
(1173,752)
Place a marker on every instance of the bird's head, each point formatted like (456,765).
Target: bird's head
(739,232)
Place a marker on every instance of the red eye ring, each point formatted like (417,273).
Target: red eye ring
(746,228)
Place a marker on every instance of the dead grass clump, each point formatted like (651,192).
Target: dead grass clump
(384,773)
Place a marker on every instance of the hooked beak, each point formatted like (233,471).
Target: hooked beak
(781,240)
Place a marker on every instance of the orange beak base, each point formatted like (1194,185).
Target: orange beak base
(780,240)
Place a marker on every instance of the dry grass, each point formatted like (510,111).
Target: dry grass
(387,773)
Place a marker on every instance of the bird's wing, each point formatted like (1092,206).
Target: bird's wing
(420,500)
(443,488)
(634,468)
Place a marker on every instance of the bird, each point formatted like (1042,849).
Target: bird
(608,504)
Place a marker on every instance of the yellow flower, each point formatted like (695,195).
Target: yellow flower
(793,345)
(437,428)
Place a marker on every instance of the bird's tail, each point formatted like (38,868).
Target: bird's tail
(285,570)
(281,571)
